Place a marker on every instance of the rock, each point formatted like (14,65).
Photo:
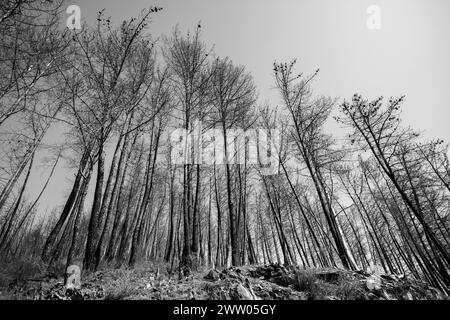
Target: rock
(233,273)
(74,294)
(60,292)
(249,288)
(283,280)
(265,290)
(361,273)
(409,296)
(213,275)
(373,283)
(387,296)
(241,293)
(269,271)
(389,277)
(260,272)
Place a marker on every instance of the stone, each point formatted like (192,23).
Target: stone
(213,275)
(409,296)
(373,283)
(241,293)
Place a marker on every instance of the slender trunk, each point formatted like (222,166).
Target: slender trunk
(93,231)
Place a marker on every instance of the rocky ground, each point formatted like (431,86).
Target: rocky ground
(270,282)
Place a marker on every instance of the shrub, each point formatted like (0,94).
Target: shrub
(21,269)
(351,290)
(120,288)
(306,281)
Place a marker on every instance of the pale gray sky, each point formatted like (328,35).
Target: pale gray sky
(408,55)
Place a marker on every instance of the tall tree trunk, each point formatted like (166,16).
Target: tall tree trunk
(84,168)
(93,232)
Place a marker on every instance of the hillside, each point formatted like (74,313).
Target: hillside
(270,282)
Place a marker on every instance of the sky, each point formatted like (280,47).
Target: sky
(409,55)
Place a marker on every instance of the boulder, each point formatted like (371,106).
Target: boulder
(213,275)
(242,293)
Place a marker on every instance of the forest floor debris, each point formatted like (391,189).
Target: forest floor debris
(270,282)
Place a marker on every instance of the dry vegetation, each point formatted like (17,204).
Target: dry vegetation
(271,282)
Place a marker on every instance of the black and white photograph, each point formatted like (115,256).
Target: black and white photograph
(221,158)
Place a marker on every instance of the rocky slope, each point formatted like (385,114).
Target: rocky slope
(270,282)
